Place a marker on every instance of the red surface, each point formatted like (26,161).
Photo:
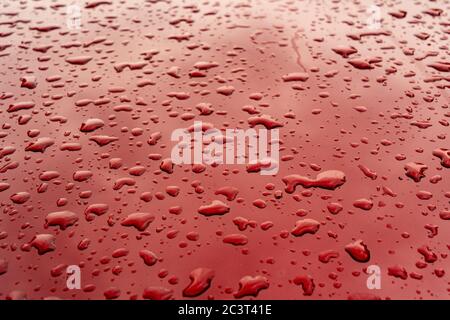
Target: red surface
(368,112)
